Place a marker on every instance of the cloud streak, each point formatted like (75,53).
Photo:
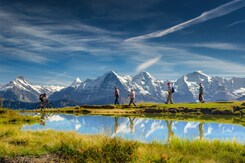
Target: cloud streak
(208,15)
(235,23)
(26,41)
(147,64)
(216,45)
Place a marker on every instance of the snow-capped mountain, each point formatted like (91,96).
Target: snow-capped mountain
(98,91)
(216,88)
(76,83)
(101,90)
(150,89)
(146,87)
(21,90)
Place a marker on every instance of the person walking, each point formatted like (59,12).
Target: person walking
(201,93)
(116,94)
(43,99)
(170,93)
(132,97)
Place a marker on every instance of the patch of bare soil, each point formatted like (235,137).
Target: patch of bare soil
(49,158)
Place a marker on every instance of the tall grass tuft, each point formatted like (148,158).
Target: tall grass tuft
(73,147)
(11,116)
(117,150)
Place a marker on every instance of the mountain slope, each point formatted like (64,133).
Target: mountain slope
(101,90)
(146,87)
(98,91)
(150,89)
(21,90)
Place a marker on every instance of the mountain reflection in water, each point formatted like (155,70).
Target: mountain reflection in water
(140,129)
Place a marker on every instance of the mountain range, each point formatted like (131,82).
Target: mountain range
(146,87)
(21,90)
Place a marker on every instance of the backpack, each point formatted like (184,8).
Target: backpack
(173,90)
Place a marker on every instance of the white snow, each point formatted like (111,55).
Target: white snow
(76,83)
(145,86)
(240,92)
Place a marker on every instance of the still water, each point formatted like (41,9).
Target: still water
(141,129)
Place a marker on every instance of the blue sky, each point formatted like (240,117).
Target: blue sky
(53,42)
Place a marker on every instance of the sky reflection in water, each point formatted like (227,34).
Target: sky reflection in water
(141,129)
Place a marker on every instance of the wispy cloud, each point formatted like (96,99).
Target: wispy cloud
(210,129)
(154,127)
(190,125)
(210,64)
(56,118)
(147,64)
(71,44)
(171,57)
(38,43)
(217,12)
(216,45)
(235,23)
(220,46)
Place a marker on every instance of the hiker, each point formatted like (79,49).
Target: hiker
(132,97)
(116,94)
(170,93)
(42,98)
(201,93)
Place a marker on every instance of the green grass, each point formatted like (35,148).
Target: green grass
(211,108)
(73,147)
(10,116)
(81,148)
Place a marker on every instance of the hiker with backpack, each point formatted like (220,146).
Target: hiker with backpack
(43,99)
(116,95)
(170,93)
(201,93)
(132,97)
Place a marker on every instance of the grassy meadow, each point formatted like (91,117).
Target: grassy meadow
(72,147)
(209,108)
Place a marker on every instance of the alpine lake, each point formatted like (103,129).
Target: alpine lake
(147,128)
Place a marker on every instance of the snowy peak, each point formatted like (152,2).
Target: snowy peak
(19,83)
(198,76)
(20,89)
(107,80)
(143,77)
(111,77)
(76,82)
(20,80)
(198,73)
(111,74)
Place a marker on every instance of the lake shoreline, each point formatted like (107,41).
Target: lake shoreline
(212,108)
(57,146)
